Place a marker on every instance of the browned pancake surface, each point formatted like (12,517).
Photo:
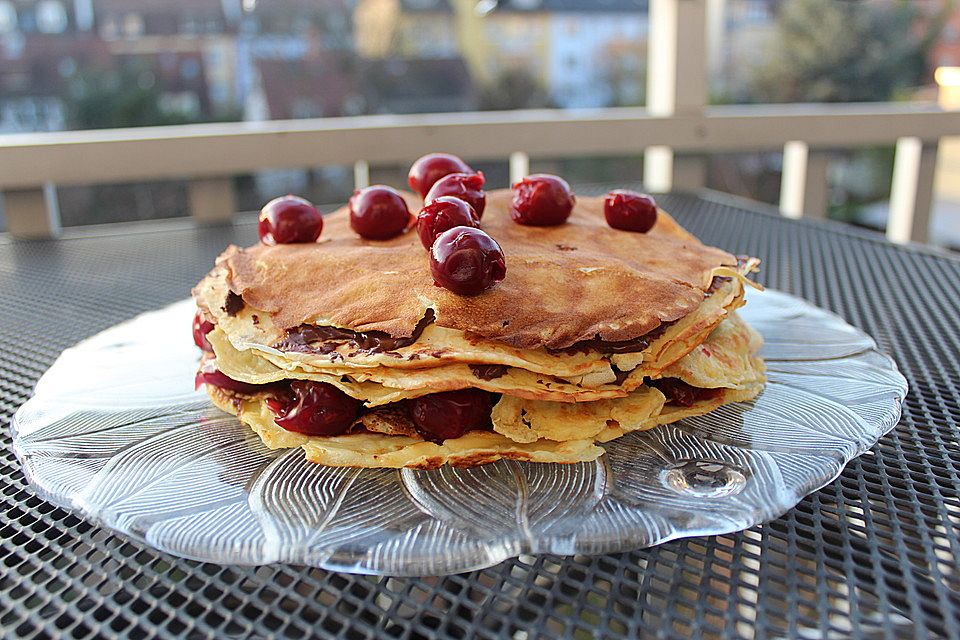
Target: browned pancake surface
(564,284)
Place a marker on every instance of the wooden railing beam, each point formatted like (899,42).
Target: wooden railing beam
(215,150)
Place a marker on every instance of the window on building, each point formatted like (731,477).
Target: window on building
(133,25)
(189,69)
(8,17)
(950,33)
(109,28)
(51,17)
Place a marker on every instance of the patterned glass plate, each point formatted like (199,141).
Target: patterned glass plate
(117,432)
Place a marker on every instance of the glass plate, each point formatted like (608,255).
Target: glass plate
(116,432)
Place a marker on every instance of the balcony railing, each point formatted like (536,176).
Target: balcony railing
(675,132)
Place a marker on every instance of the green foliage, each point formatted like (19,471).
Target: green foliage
(128,97)
(513,89)
(830,51)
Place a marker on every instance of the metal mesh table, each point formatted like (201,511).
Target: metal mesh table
(871,555)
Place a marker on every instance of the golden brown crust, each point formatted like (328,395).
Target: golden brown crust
(608,283)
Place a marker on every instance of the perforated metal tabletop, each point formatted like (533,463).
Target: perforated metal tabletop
(873,555)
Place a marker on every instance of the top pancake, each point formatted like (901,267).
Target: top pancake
(577,281)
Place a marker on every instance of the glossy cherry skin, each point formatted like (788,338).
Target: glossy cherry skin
(378,213)
(315,409)
(446,212)
(209,374)
(629,210)
(466,261)
(450,414)
(542,200)
(200,330)
(289,220)
(431,167)
(466,186)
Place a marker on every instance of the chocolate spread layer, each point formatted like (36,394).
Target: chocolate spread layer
(623,346)
(233,304)
(681,394)
(309,338)
(488,371)
(718,281)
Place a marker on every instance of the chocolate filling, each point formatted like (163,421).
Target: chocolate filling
(620,376)
(718,281)
(324,340)
(233,304)
(623,346)
(488,371)
(681,394)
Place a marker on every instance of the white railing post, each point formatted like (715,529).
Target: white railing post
(676,85)
(361,174)
(211,199)
(911,193)
(519,166)
(803,183)
(32,212)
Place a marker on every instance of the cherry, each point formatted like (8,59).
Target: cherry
(542,200)
(431,167)
(289,219)
(315,409)
(629,210)
(378,213)
(200,330)
(209,374)
(450,414)
(466,186)
(446,212)
(466,261)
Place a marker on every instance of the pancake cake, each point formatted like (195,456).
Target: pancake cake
(524,323)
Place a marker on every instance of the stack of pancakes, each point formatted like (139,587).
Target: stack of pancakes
(593,333)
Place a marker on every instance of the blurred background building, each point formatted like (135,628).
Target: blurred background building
(80,64)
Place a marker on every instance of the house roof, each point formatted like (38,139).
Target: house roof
(318,85)
(573,6)
(409,85)
(414,6)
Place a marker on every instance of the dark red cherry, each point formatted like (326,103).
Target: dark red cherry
(208,374)
(466,186)
(288,220)
(629,210)
(200,330)
(450,414)
(446,212)
(542,200)
(431,167)
(315,409)
(466,261)
(378,213)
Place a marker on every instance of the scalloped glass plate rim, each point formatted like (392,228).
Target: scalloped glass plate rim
(496,550)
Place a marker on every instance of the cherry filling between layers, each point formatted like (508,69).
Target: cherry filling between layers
(321,409)
(681,394)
